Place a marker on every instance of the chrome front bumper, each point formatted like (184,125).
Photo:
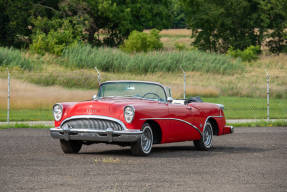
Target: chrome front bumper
(231,129)
(108,135)
(228,129)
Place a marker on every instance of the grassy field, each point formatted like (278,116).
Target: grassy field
(243,92)
(171,36)
(235,108)
(251,108)
(27,115)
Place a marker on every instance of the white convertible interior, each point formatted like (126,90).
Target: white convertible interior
(178,101)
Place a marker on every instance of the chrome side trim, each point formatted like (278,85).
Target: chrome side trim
(210,117)
(95,117)
(221,106)
(176,120)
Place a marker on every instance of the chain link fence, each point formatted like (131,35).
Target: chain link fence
(32,95)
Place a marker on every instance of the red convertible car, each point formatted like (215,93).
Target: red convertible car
(137,114)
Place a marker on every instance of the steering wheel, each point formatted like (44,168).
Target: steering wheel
(152,94)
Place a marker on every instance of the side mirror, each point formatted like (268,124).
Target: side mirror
(169,99)
(95,97)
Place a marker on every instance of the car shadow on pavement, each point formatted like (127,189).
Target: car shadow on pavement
(161,151)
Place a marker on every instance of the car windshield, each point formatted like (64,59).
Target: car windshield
(133,89)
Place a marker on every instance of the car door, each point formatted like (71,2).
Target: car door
(180,122)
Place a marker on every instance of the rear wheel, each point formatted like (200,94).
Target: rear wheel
(71,146)
(206,140)
(144,145)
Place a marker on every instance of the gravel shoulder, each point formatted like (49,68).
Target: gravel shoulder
(251,159)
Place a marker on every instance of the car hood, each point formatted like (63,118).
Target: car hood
(103,107)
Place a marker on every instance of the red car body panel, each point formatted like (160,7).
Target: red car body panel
(173,119)
(139,114)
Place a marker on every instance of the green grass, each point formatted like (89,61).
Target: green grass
(116,61)
(261,123)
(15,58)
(250,108)
(23,125)
(27,115)
(234,108)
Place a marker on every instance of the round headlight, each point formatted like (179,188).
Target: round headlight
(129,113)
(58,112)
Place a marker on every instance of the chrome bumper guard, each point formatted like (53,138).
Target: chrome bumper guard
(231,129)
(108,135)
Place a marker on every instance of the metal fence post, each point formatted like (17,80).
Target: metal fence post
(183,83)
(99,76)
(8,107)
(267,95)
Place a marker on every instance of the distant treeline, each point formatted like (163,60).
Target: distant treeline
(216,25)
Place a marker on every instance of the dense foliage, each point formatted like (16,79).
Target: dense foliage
(52,41)
(116,19)
(217,25)
(179,16)
(179,46)
(142,42)
(14,21)
(119,18)
(249,54)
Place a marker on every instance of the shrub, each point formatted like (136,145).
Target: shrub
(248,54)
(53,41)
(139,41)
(179,46)
(13,58)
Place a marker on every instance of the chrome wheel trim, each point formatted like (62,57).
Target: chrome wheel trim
(146,139)
(207,135)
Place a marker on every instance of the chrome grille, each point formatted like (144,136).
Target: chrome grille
(98,124)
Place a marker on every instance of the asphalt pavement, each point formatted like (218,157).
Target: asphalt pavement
(250,159)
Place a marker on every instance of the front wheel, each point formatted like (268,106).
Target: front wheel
(144,145)
(70,146)
(204,143)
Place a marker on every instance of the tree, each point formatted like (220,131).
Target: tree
(15,17)
(118,18)
(276,16)
(218,24)
(179,17)
(13,21)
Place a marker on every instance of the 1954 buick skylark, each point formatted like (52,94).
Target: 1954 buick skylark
(137,114)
